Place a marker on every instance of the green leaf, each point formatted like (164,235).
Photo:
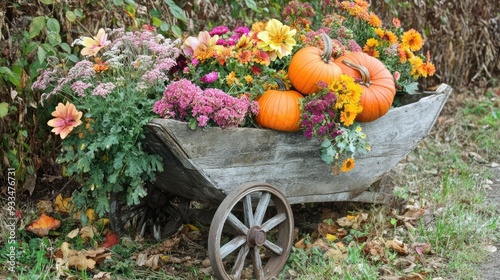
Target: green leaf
(251,4)
(31,47)
(78,12)
(118,2)
(4,109)
(411,88)
(176,11)
(156,21)
(53,25)
(36,26)
(41,53)
(65,47)
(177,31)
(54,38)
(47,2)
(10,76)
(164,26)
(71,16)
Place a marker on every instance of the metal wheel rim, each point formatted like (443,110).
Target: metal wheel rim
(252,232)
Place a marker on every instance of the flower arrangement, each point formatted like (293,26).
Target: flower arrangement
(399,49)
(242,61)
(329,117)
(184,100)
(212,79)
(105,100)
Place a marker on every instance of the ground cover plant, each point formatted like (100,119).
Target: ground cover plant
(443,225)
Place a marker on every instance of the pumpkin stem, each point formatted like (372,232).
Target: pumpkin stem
(281,84)
(327,52)
(363,71)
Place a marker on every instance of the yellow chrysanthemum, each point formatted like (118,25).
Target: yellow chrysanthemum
(416,66)
(374,20)
(231,79)
(277,39)
(349,113)
(248,79)
(348,165)
(412,39)
(372,43)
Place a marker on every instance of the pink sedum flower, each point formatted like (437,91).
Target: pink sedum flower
(93,45)
(66,118)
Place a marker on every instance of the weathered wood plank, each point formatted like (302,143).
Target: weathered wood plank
(207,164)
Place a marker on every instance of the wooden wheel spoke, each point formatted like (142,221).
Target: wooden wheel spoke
(237,224)
(273,222)
(260,211)
(236,236)
(248,211)
(273,247)
(257,263)
(239,264)
(232,245)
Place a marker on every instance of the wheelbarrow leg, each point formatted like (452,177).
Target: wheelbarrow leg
(262,220)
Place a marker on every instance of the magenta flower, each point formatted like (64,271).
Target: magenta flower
(210,77)
(66,118)
(219,30)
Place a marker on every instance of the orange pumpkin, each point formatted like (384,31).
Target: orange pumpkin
(376,80)
(279,109)
(310,65)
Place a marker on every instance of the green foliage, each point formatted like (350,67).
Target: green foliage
(109,156)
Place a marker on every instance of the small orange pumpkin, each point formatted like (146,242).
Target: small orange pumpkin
(310,65)
(279,109)
(376,80)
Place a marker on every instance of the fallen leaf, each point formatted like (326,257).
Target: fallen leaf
(62,205)
(345,222)
(91,215)
(82,260)
(141,259)
(301,244)
(72,234)
(88,232)
(102,276)
(319,243)
(397,246)
(152,262)
(489,248)
(330,237)
(422,248)
(375,250)
(44,206)
(111,240)
(43,225)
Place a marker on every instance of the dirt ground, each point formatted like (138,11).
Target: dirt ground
(491,269)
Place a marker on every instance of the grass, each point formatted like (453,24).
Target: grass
(445,176)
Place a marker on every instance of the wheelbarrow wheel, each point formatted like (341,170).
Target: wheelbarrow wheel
(251,233)
(159,214)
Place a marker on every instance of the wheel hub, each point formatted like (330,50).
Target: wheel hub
(256,236)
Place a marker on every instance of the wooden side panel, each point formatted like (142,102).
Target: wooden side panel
(210,163)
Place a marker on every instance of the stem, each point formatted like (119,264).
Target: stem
(281,84)
(327,52)
(363,71)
